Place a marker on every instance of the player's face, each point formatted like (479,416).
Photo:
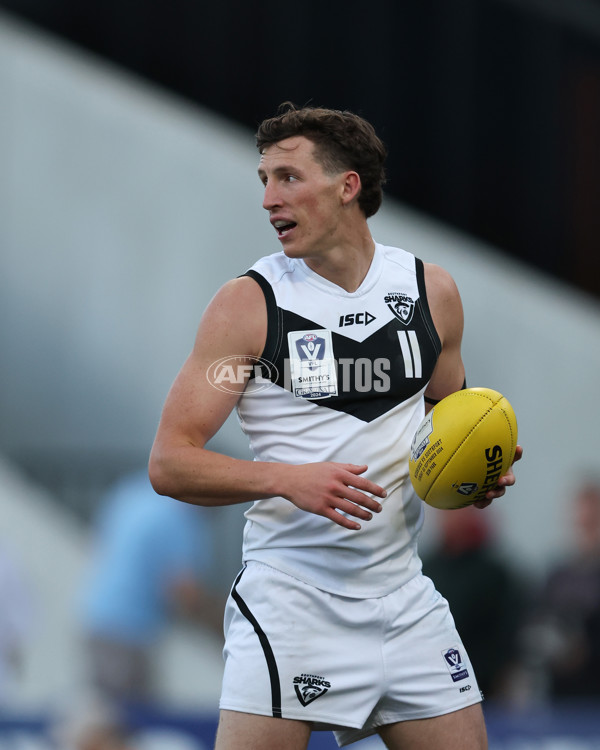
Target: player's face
(304,203)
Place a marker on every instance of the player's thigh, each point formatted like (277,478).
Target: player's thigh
(459,730)
(240,731)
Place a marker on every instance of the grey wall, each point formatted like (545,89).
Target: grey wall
(121,212)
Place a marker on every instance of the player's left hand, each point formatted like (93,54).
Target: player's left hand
(507,480)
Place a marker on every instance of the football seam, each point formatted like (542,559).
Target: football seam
(473,428)
(513,438)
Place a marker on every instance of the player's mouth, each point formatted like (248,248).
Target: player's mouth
(283,227)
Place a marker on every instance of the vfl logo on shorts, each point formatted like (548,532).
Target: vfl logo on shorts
(309,687)
(455,665)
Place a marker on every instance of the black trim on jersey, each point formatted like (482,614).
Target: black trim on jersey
(435,401)
(274,332)
(365,405)
(424,303)
(266,647)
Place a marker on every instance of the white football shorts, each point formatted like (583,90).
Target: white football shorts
(349,665)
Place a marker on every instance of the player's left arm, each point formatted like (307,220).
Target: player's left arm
(449,374)
(448,317)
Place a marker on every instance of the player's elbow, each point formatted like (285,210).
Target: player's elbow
(161,478)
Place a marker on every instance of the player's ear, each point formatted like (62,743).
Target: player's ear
(351,186)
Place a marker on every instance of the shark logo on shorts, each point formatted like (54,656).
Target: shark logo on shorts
(309,687)
(455,664)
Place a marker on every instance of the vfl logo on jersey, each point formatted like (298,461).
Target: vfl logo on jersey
(311,349)
(309,687)
(312,364)
(455,665)
(401,305)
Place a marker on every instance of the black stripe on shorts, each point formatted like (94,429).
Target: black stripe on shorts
(266,647)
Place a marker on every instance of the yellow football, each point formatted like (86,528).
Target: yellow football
(462,447)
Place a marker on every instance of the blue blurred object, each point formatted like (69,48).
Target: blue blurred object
(143,542)
(150,562)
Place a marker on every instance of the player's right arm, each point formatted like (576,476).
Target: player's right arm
(449,374)
(235,324)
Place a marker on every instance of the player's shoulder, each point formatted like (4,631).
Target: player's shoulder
(273,267)
(444,302)
(250,287)
(238,293)
(398,256)
(236,314)
(239,302)
(439,282)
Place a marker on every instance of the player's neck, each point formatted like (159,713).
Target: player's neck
(345,265)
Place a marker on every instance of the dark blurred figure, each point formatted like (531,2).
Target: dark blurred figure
(16,621)
(150,562)
(563,635)
(484,595)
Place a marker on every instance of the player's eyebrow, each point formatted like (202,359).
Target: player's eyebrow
(278,170)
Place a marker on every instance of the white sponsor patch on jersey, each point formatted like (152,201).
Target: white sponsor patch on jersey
(312,364)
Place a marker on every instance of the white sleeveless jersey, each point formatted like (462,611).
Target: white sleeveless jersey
(350,370)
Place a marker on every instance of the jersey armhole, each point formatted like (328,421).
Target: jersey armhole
(274,327)
(424,304)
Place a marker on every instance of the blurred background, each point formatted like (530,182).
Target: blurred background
(128,195)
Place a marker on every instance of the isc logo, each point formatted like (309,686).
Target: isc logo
(359,319)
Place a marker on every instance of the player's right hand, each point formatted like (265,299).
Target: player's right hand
(334,490)
(506,480)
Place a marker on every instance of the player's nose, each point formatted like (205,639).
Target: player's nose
(271,197)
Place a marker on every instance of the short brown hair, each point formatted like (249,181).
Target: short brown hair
(342,141)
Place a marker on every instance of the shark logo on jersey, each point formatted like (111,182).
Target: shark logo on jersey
(401,305)
(309,687)
(312,364)
(455,664)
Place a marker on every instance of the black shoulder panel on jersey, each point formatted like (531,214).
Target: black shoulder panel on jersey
(424,305)
(274,332)
(387,373)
